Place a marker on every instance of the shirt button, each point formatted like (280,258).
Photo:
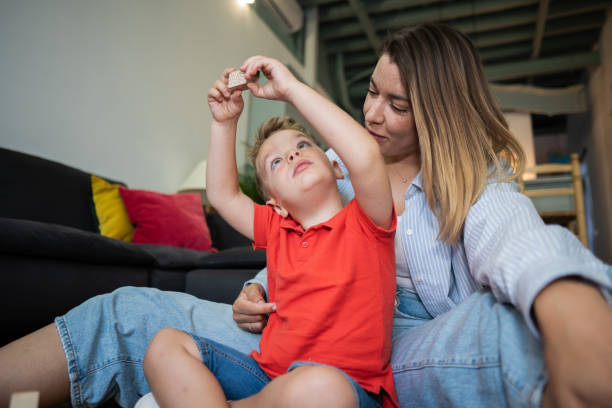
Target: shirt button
(418,279)
(305,244)
(409,231)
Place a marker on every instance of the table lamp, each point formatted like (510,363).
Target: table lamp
(196,183)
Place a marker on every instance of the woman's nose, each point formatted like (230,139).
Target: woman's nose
(373,112)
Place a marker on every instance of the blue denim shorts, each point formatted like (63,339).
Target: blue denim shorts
(479,354)
(240,376)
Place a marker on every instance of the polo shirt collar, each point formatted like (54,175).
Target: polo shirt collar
(290,224)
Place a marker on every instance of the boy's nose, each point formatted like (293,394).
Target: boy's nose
(293,155)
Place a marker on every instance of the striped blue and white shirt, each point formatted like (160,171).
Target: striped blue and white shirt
(506,247)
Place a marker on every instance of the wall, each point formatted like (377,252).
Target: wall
(599,145)
(118,87)
(520,125)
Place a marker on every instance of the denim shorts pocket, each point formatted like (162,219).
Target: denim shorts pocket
(398,313)
(409,306)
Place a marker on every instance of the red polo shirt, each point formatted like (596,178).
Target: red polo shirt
(334,289)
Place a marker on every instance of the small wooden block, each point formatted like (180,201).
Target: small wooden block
(27,399)
(238,81)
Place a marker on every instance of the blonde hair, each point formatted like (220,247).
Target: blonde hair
(264,131)
(461,131)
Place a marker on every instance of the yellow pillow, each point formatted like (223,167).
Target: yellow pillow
(112,216)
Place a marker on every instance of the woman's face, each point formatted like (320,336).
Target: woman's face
(388,113)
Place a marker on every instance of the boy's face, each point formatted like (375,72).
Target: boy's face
(289,164)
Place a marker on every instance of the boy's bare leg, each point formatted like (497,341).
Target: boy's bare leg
(173,367)
(35,362)
(178,378)
(304,387)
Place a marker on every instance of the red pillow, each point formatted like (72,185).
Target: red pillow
(167,219)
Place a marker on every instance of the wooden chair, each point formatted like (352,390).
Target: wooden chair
(572,217)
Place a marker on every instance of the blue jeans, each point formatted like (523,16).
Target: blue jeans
(479,354)
(240,376)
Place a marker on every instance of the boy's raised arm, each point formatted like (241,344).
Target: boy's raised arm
(358,150)
(222,189)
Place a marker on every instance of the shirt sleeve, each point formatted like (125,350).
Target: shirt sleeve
(366,222)
(261,278)
(511,250)
(261,223)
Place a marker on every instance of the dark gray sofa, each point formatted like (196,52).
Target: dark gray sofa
(52,257)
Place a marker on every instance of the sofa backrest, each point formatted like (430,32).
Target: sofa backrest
(222,234)
(38,189)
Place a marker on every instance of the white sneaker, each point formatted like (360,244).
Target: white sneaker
(146,401)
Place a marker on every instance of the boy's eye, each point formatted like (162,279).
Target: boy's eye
(274,163)
(303,144)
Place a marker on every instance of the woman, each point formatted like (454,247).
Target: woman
(540,332)
(442,135)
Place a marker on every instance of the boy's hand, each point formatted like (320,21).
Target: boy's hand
(251,310)
(225,104)
(280,80)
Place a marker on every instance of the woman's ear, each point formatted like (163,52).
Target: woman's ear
(337,170)
(280,210)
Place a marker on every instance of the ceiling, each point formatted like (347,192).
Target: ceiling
(545,43)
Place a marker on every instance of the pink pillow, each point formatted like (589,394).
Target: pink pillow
(167,219)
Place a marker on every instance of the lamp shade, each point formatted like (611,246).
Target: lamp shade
(196,181)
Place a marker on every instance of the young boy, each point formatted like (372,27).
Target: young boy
(331,269)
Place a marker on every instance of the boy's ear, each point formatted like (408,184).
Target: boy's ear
(280,210)
(337,170)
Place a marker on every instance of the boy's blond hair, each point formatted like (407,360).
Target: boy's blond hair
(266,130)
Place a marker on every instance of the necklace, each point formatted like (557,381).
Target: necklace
(404,179)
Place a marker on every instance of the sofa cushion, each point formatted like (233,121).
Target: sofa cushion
(42,190)
(167,219)
(41,239)
(38,239)
(112,217)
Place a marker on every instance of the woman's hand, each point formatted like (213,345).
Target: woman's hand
(224,104)
(280,80)
(576,325)
(251,310)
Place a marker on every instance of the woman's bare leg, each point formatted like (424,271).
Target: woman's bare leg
(35,362)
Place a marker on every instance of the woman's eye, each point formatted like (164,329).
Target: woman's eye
(371,92)
(398,109)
